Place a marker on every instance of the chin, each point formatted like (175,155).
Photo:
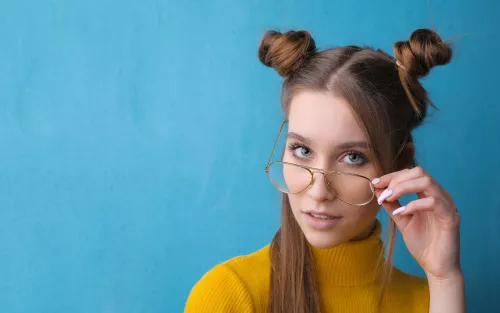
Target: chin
(324,240)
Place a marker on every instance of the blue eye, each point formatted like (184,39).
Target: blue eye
(300,151)
(354,158)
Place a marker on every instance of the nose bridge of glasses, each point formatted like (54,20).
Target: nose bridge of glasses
(326,179)
(318,170)
(326,173)
(314,172)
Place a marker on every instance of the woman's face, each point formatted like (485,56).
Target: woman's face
(323,134)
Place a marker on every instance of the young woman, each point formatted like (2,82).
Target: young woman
(350,113)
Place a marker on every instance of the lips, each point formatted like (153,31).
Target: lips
(326,217)
(320,214)
(321,221)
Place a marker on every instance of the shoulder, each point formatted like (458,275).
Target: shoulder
(220,290)
(254,265)
(411,290)
(232,286)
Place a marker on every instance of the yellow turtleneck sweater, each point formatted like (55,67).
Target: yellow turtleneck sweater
(345,277)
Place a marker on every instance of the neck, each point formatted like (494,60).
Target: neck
(353,263)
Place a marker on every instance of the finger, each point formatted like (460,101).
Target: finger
(400,220)
(437,205)
(383,181)
(419,185)
(392,179)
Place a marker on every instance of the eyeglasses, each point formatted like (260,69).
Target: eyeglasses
(293,178)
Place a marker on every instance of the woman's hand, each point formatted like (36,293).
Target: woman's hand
(429,225)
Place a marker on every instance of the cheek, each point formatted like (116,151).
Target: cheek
(294,201)
(296,205)
(365,213)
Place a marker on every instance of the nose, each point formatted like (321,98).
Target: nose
(319,191)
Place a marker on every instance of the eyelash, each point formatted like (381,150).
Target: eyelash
(359,154)
(293,146)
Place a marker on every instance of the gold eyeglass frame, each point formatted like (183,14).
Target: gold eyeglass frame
(312,170)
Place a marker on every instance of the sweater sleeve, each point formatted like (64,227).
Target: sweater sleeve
(220,290)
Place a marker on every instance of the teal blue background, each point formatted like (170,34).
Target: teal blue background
(134,135)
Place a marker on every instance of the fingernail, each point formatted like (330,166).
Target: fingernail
(385,194)
(397,211)
(376,181)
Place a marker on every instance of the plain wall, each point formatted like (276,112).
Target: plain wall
(134,136)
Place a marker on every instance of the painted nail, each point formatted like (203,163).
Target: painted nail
(397,211)
(376,181)
(385,194)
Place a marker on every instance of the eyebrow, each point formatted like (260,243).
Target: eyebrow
(341,146)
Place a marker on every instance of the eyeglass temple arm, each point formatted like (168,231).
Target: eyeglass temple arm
(274,147)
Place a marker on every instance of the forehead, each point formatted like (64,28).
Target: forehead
(321,116)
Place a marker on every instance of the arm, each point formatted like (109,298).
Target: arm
(447,295)
(430,227)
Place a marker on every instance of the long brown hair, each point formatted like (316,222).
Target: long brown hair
(387,99)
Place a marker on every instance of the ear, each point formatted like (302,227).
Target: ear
(406,158)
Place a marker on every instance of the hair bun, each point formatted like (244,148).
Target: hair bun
(422,52)
(286,52)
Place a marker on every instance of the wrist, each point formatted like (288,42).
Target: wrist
(447,294)
(451,278)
